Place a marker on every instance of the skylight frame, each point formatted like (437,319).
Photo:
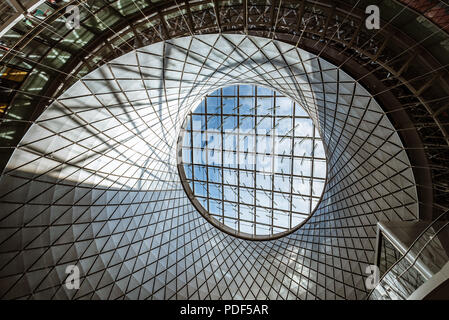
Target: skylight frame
(203,203)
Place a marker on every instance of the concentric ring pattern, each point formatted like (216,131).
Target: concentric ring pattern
(94,183)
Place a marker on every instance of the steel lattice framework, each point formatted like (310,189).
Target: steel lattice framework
(94,182)
(391,62)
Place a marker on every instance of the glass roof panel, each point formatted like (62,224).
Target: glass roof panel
(259,167)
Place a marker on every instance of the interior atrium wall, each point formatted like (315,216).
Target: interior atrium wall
(94,183)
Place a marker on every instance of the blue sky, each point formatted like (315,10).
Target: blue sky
(273,143)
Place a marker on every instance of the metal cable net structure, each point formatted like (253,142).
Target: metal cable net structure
(94,182)
(403,64)
(252,162)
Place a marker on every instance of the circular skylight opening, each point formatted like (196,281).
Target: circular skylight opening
(252,162)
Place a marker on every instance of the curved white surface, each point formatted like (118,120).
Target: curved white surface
(94,183)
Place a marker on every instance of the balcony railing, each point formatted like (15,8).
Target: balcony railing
(425,257)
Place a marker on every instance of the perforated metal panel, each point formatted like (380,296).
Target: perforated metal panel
(94,183)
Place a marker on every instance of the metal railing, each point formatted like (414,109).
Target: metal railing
(425,257)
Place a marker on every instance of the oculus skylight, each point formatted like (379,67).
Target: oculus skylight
(252,162)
